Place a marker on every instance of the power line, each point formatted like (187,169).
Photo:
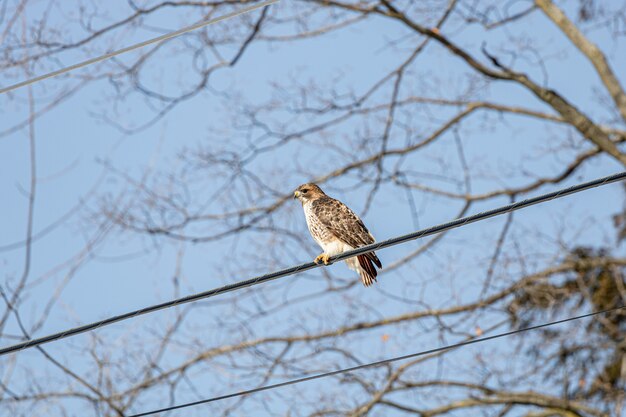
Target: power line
(372,364)
(310,265)
(137,46)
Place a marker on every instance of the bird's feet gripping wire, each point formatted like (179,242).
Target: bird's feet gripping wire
(323,258)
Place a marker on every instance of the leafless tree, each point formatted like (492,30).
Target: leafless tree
(475,108)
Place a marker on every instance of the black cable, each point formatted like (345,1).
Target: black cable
(136,46)
(310,265)
(372,364)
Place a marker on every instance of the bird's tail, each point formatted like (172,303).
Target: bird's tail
(367,270)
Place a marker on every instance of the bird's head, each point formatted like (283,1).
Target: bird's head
(307,192)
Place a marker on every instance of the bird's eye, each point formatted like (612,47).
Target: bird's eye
(304,191)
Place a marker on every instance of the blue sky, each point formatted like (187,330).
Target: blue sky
(126,271)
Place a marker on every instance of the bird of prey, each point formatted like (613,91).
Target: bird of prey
(337,229)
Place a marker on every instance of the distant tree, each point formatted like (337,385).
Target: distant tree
(414,136)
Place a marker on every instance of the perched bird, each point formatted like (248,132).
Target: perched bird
(337,229)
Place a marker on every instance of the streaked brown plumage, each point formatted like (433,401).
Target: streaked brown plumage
(337,229)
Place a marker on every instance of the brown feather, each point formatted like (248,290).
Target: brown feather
(329,220)
(372,256)
(368,273)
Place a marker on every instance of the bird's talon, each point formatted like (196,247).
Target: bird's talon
(323,258)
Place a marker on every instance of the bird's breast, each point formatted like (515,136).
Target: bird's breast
(319,232)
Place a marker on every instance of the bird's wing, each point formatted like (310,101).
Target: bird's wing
(343,223)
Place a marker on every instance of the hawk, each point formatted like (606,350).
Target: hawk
(337,229)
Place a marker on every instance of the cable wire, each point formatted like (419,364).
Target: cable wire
(137,46)
(463,221)
(372,364)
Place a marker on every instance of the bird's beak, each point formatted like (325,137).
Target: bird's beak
(296,194)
